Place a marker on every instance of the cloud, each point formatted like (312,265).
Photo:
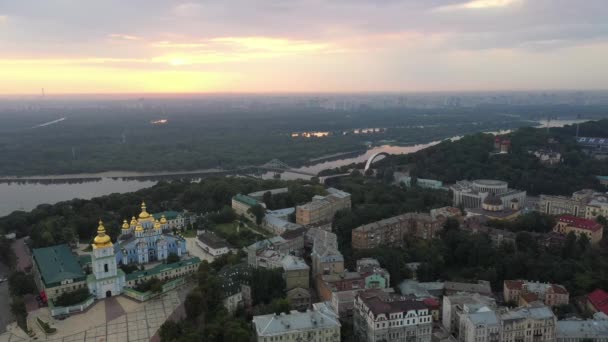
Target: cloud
(116,36)
(480,4)
(3,18)
(188,9)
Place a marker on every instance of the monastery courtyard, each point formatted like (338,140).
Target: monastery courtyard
(116,319)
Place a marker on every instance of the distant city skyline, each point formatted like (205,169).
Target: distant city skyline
(301,46)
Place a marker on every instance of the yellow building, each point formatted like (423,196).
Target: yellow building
(579,226)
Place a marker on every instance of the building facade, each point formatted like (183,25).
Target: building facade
(561,205)
(107,279)
(379,316)
(595,330)
(146,239)
(471,194)
(525,292)
(213,244)
(56,271)
(579,226)
(320,324)
(242,203)
(323,208)
(392,231)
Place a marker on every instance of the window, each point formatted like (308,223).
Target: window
(105,267)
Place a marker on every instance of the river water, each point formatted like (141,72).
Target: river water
(20,195)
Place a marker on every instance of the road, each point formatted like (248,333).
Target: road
(5,316)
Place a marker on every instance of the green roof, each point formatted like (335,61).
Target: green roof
(602,177)
(56,264)
(84,259)
(169,215)
(162,268)
(246,200)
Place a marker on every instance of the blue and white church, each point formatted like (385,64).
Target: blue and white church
(146,239)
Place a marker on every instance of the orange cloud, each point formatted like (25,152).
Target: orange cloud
(116,36)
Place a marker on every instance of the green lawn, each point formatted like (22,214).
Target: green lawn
(227,228)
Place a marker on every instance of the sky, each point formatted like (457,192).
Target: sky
(172,46)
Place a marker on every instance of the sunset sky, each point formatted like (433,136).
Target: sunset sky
(134,46)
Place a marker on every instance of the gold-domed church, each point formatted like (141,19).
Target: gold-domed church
(106,279)
(146,239)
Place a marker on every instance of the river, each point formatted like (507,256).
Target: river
(23,195)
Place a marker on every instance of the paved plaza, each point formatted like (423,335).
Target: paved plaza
(125,320)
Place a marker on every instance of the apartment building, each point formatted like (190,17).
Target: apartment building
(392,231)
(525,292)
(323,208)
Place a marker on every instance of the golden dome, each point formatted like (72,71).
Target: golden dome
(163,220)
(125,225)
(139,227)
(144,214)
(157,224)
(133,221)
(101,240)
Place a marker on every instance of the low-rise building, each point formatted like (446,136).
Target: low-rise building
(598,206)
(236,290)
(597,301)
(299,298)
(323,208)
(213,244)
(562,205)
(296,272)
(482,287)
(242,203)
(579,226)
(326,258)
(528,324)
(56,271)
(294,244)
(164,271)
(443,213)
(548,157)
(595,330)
(454,306)
(471,194)
(379,316)
(318,325)
(416,289)
(525,292)
(421,182)
(259,195)
(392,231)
(173,219)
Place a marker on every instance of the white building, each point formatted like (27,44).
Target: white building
(382,317)
(481,324)
(454,307)
(213,244)
(107,279)
(595,330)
(318,325)
(472,193)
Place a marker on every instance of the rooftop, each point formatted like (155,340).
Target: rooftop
(484,316)
(169,215)
(158,269)
(213,240)
(379,302)
(291,263)
(260,194)
(539,312)
(580,223)
(579,329)
(482,287)
(599,299)
(56,264)
(322,317)
(245,200)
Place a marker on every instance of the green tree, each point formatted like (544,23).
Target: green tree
(194,304)
(259,212)
(172,257)
(280,305)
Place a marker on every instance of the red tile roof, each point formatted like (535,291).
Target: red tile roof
(529,297)
(514,284)
(599,299)
(559,289)
(580,223)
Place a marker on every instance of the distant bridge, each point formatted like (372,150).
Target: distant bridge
(372,158)
(279,166)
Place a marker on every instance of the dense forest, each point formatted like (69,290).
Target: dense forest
(471,158)
(105,137)
(63,222)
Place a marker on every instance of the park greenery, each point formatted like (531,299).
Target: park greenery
(197,136)
(68,221)
(207,319)
(471,158)
(73,297)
